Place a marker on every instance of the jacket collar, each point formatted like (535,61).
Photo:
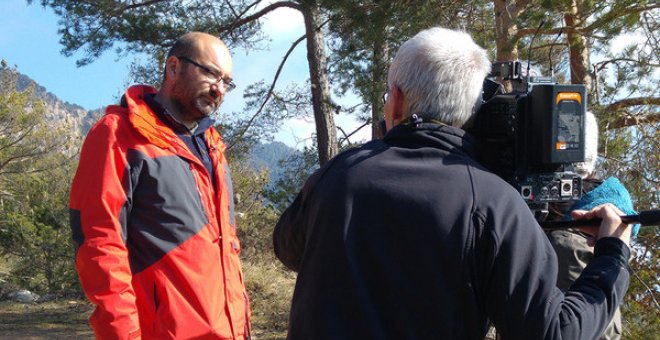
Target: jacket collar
(147,123)
(434,135)
(166,116)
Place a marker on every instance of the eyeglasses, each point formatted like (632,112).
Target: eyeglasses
(385,94)
(212,76)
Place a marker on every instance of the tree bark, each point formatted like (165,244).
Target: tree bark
(579,52)
(505,31)
(379,76)
(326,133)
(506,38)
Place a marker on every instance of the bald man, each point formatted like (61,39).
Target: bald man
(151,208)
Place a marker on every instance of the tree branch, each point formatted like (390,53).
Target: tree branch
(622,122)
(649,33)
(270,90)
(628,102)
(142,4)
(648,289)
(346,137)
(523,32)
(588,30)
(617,13)
(600,66)
(259,14)
(232,8)
(630,120)
(641,172)
(19,139)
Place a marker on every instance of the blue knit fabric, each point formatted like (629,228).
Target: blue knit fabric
(611,191)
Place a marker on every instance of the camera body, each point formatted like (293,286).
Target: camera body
(533,135)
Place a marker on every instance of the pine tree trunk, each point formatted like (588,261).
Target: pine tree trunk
(579,52)
(379,76)
(505,31)
(326,133)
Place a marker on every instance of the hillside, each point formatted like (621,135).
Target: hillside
(270,156)
(61,111)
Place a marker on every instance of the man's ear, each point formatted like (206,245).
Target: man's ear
(172,66)
(398,100)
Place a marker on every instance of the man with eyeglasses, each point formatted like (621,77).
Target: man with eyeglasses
(152,211)
(409,237)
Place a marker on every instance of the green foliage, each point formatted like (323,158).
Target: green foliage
(145,27)
(631,155)
(241,133)
(35,172)
(366,34)
(25,134)
(254,218)
(296,171)
(34,232)
(269,284)
(641,310)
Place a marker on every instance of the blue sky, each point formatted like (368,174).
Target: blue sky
(30,41)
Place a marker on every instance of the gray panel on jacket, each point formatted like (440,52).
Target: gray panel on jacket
(165,207)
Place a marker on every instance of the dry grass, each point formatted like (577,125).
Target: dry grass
(50,320)
(270,287)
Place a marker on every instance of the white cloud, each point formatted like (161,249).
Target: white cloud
(284,21)
(624,40)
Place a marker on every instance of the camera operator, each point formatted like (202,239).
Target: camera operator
(409,237)
(574,247)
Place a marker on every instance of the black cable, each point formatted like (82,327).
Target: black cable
(531,43)
(552,72)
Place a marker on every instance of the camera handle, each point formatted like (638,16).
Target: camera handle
(645,218)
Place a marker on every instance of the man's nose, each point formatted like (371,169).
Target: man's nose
(216,90)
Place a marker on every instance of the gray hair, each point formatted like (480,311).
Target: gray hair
(440,72)
(586,168)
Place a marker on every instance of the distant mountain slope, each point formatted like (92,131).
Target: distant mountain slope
(270,156)
(24,81)
(58,110)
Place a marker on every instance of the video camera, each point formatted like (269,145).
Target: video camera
(533,135)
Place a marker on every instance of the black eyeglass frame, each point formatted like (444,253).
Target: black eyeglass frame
(228,85)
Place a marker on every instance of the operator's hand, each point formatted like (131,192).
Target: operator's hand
(611,226)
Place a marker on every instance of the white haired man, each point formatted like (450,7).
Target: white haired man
(410,238)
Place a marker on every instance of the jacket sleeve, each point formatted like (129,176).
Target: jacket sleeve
(290,230)
(99,203)
(289,235)
(522,298)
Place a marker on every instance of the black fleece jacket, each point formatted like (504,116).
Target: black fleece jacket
(410,238)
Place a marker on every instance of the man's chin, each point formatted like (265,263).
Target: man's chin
(205,108)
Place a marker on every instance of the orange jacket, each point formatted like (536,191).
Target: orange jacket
(157,250)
